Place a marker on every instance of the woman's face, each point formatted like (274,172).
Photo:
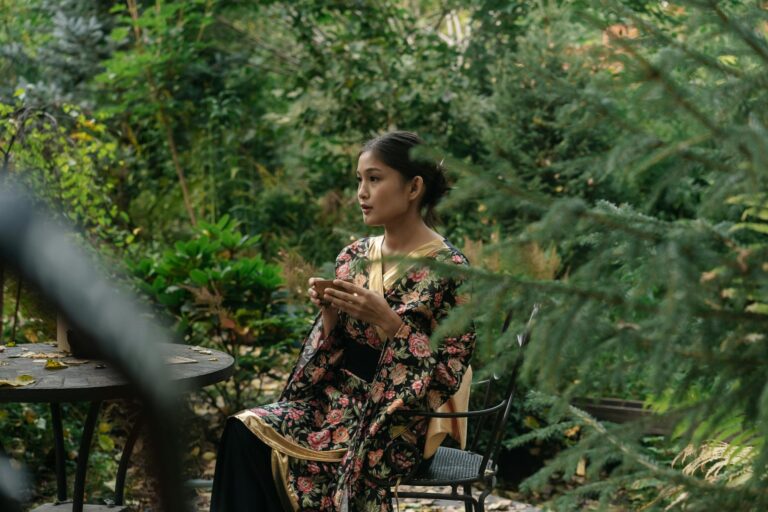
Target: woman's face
(383,193)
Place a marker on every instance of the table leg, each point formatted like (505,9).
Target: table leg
(124,459)
(58,441)
(82,457)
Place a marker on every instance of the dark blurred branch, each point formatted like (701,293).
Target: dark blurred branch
(118,329)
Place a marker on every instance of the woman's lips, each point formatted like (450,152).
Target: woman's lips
(366,209)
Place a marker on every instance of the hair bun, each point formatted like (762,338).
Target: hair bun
(394,149)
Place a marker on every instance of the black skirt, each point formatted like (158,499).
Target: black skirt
(242,481)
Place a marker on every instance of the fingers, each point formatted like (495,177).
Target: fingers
(351,291)
(344,296)
(339,304)
(314,297)
(348,297)
(349,302)
(348,286)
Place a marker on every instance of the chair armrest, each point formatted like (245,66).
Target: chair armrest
(468,414)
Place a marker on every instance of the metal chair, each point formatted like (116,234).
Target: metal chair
(463,468)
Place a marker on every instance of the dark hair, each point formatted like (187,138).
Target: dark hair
(394,149)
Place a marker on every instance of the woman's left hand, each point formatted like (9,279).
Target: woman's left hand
(364,305)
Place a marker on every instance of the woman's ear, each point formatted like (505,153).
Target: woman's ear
(416,188)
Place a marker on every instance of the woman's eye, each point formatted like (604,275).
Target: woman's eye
(374,178)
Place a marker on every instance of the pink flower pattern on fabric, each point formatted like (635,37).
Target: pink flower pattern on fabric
(418,344)
(323,408)
(319,440)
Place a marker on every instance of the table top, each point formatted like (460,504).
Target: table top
(189,366)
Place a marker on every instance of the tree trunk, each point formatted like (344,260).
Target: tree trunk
(162,117)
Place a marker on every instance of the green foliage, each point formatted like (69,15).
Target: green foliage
(56,51)
(610,162)
(657,279)
(25,432)
(62,155)
(222,294)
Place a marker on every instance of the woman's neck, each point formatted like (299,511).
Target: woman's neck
(404,237)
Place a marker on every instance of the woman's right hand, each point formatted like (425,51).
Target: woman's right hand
(330,314)
(314,297)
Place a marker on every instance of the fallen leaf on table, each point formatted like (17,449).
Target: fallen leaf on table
(2,347)
(50,364)
(44,355)
(76,361)
(213,358)
(21,380)
(179,360)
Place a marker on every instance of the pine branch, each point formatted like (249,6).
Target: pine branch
(747,36)
(667,474)
(678,93)
(696,56)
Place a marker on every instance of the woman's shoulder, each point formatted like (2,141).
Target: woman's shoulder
(450,253)
(356,249)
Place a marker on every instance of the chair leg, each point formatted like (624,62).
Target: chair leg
(481,499)
(468,504)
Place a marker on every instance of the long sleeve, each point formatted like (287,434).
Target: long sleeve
(411,371)
(319,354)
(411,375)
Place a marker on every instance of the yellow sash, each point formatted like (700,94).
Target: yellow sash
(378,281)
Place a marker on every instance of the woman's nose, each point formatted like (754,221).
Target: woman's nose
(362,191)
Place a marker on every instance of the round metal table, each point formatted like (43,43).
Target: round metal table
(189,367)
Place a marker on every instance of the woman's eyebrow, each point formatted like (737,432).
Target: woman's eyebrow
(369,170)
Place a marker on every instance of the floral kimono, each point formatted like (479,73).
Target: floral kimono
(330,428)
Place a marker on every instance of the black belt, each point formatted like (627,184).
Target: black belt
(361,359)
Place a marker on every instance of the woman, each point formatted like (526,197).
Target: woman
(321,446)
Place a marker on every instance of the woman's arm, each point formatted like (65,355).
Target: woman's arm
(411,374)
(436,373)
(328,313)
(321,347)
(364,305)
(408,354)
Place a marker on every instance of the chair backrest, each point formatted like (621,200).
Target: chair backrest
(499,419)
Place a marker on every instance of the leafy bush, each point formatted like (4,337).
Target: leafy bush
(221,294)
